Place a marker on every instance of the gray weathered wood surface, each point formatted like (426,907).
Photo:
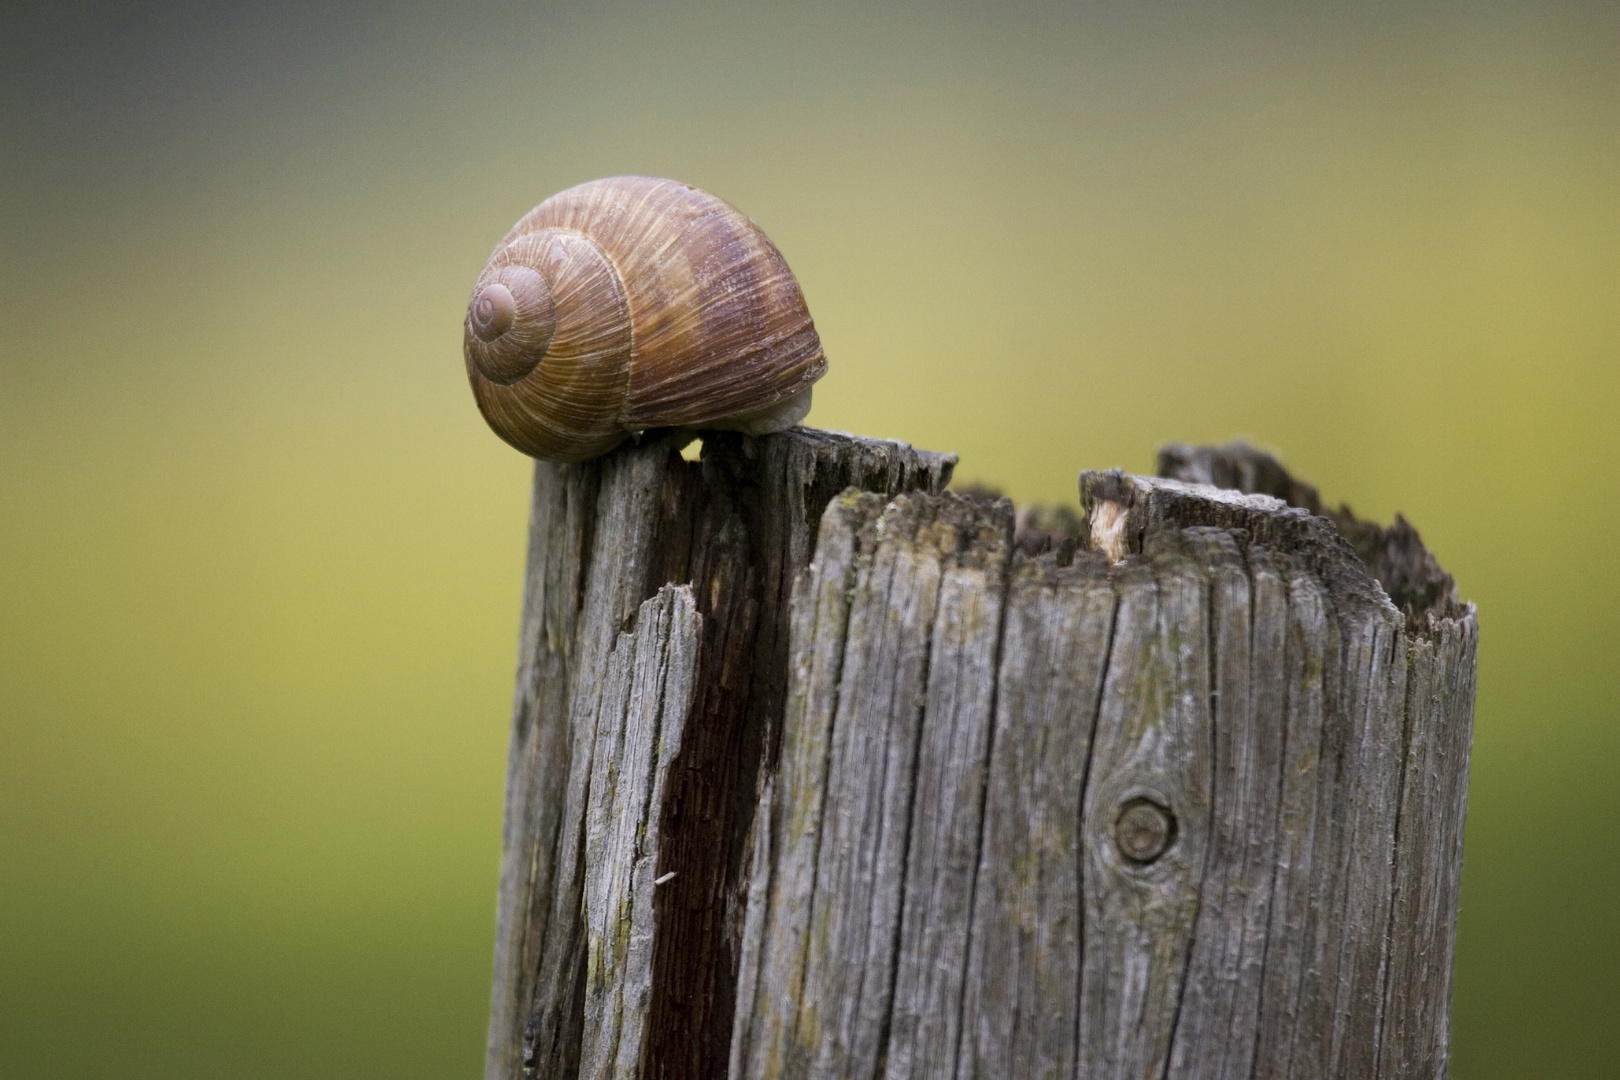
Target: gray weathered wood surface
(1172,790)
(584,982)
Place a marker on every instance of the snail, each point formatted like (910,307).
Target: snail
(632,303)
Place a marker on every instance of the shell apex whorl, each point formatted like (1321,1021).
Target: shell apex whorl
(571,373)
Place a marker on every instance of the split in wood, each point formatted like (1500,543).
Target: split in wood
(821,771)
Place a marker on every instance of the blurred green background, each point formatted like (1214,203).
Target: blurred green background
(260,559)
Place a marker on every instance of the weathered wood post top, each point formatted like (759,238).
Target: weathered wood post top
(821,770)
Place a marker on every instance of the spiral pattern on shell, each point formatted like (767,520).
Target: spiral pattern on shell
(630,303)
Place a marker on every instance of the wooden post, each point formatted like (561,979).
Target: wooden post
(820,771)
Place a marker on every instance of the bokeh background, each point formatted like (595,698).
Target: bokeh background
(260,559)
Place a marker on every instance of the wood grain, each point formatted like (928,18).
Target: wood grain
(949,791)
(1021,997)
(647,697)
(1153,740)
(605,536)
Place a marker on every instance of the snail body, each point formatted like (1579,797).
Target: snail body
(632,303)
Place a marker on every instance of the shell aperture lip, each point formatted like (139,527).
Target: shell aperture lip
(493,312)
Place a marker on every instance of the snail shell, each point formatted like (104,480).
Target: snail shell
(631,303)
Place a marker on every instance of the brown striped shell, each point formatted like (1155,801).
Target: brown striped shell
(631,303)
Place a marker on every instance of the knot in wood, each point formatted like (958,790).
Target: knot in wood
(1144,830)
